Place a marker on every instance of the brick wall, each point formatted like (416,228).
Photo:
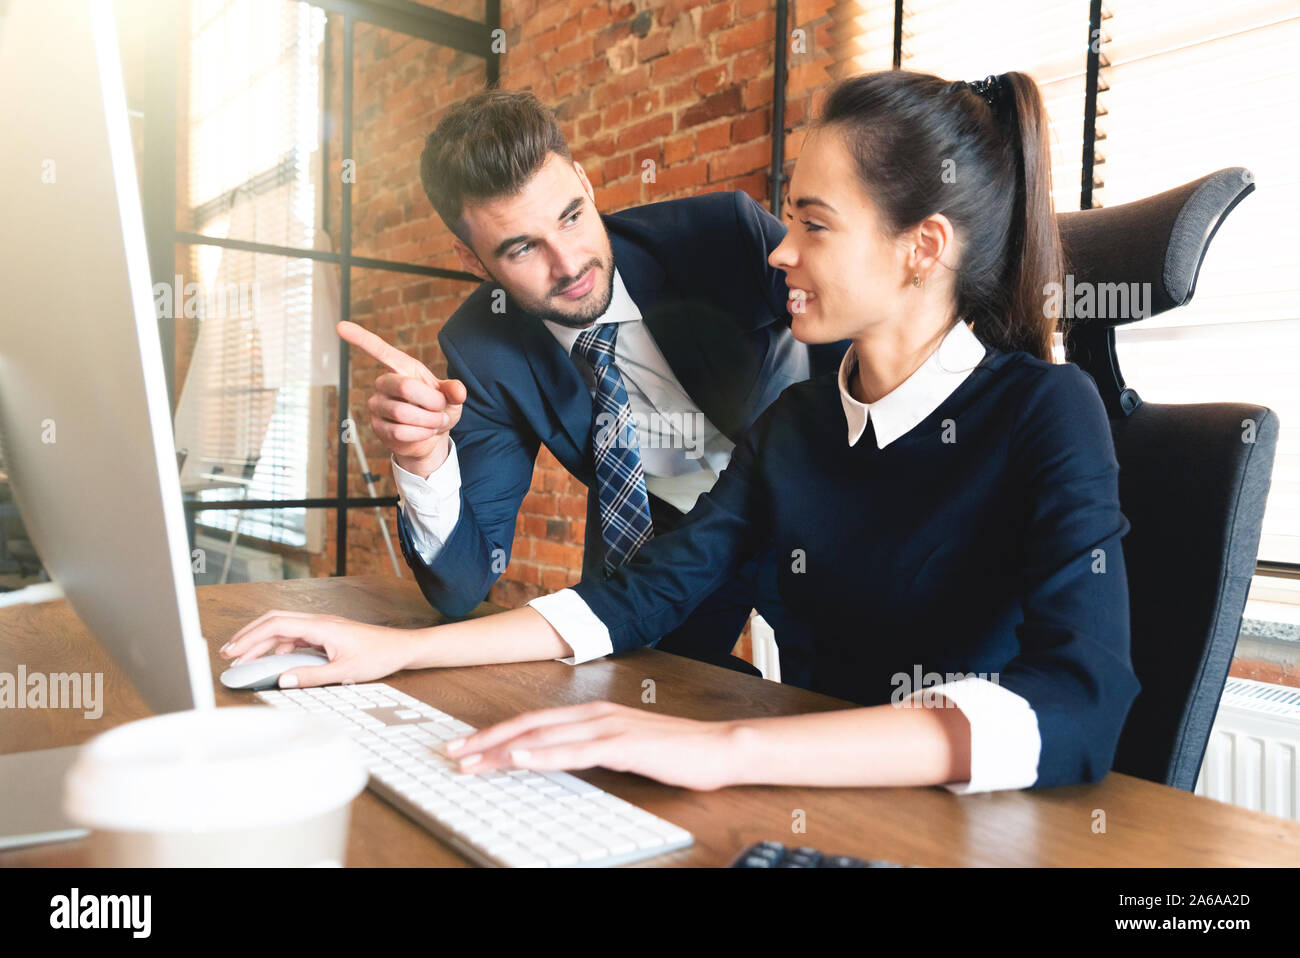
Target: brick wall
(687,87)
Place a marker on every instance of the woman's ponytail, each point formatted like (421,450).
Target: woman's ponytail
(979,154)
(1034,255)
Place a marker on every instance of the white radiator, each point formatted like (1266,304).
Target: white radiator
(1253,757)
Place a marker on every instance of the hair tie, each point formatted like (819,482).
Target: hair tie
(987,89)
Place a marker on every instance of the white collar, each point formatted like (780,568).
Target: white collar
(903,409)
(621,309)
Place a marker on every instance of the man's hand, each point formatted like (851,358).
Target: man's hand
(411,409)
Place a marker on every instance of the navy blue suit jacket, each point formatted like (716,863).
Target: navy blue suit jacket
(986,541)
(697,270)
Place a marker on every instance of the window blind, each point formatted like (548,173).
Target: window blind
(244,419)
(1186,87)
(1190,87)
(1047,39)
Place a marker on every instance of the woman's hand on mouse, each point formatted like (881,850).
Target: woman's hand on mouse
(357,652)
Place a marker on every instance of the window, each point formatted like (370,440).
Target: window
(248,419)
(1189,87)
(1043,38)
(1185,87)
(267,232)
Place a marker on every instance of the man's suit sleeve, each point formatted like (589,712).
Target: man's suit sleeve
(670,575)
(763,232)
(496,469)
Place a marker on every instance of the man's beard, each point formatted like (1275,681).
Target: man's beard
(588,313)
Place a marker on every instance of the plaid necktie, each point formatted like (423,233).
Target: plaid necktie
(625,522)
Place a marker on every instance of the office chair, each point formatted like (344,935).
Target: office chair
(1193,479)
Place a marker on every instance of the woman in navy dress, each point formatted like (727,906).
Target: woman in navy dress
(948,501)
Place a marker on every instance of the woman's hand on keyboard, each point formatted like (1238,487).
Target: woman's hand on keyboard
(357,652)
(673,750)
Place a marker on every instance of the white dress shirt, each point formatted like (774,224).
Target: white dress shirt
(682,452)
(1005,742)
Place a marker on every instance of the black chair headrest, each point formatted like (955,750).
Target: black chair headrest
(1160,240)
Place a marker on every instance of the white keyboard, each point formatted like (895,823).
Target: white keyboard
(509,817)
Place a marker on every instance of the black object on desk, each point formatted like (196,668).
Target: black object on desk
(776,855)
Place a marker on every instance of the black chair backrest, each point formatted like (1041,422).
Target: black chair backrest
(1193,478)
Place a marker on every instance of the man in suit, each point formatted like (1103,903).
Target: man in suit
(636,346)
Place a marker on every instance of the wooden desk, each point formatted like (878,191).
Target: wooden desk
(1146,824)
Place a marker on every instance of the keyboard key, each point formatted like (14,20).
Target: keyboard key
(512,817)
(644,838)
(585,848)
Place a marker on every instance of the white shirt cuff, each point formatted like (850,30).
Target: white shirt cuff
(431,504)
(577,625)
(1004,739)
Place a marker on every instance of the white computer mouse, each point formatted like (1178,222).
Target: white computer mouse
(264,672)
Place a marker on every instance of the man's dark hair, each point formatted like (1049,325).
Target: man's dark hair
(487,145)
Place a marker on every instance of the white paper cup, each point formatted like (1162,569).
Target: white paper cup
(249,786)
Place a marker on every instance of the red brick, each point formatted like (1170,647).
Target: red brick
(723,103)
(604,146)
(530,572)
(679,91)
(595,17)
(610,35)
(560,554)
(796,112)
(565,83)
(810,10)
(645,104)
(686,60)
(713,137)
(823,37)
(806,76)
(713,79)
(746,35)
(617,113)
(752,63)
(596,70)
(538,503)
(756,184)
(716,17)
(652,46)
(652,152)
(681,176)
(741,159)
(750,125)
(645,131)
(571,55)
(678,147)
(617,167)
(573,506)
(556,579)
(757,92)
(620,195)
(552,479)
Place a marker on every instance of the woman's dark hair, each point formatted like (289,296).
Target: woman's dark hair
(925,145)
(487,145)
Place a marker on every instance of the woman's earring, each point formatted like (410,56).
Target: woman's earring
(916,279)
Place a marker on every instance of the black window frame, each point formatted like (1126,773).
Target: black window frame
(159,204)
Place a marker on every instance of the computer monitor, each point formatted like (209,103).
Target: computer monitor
(84,418)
